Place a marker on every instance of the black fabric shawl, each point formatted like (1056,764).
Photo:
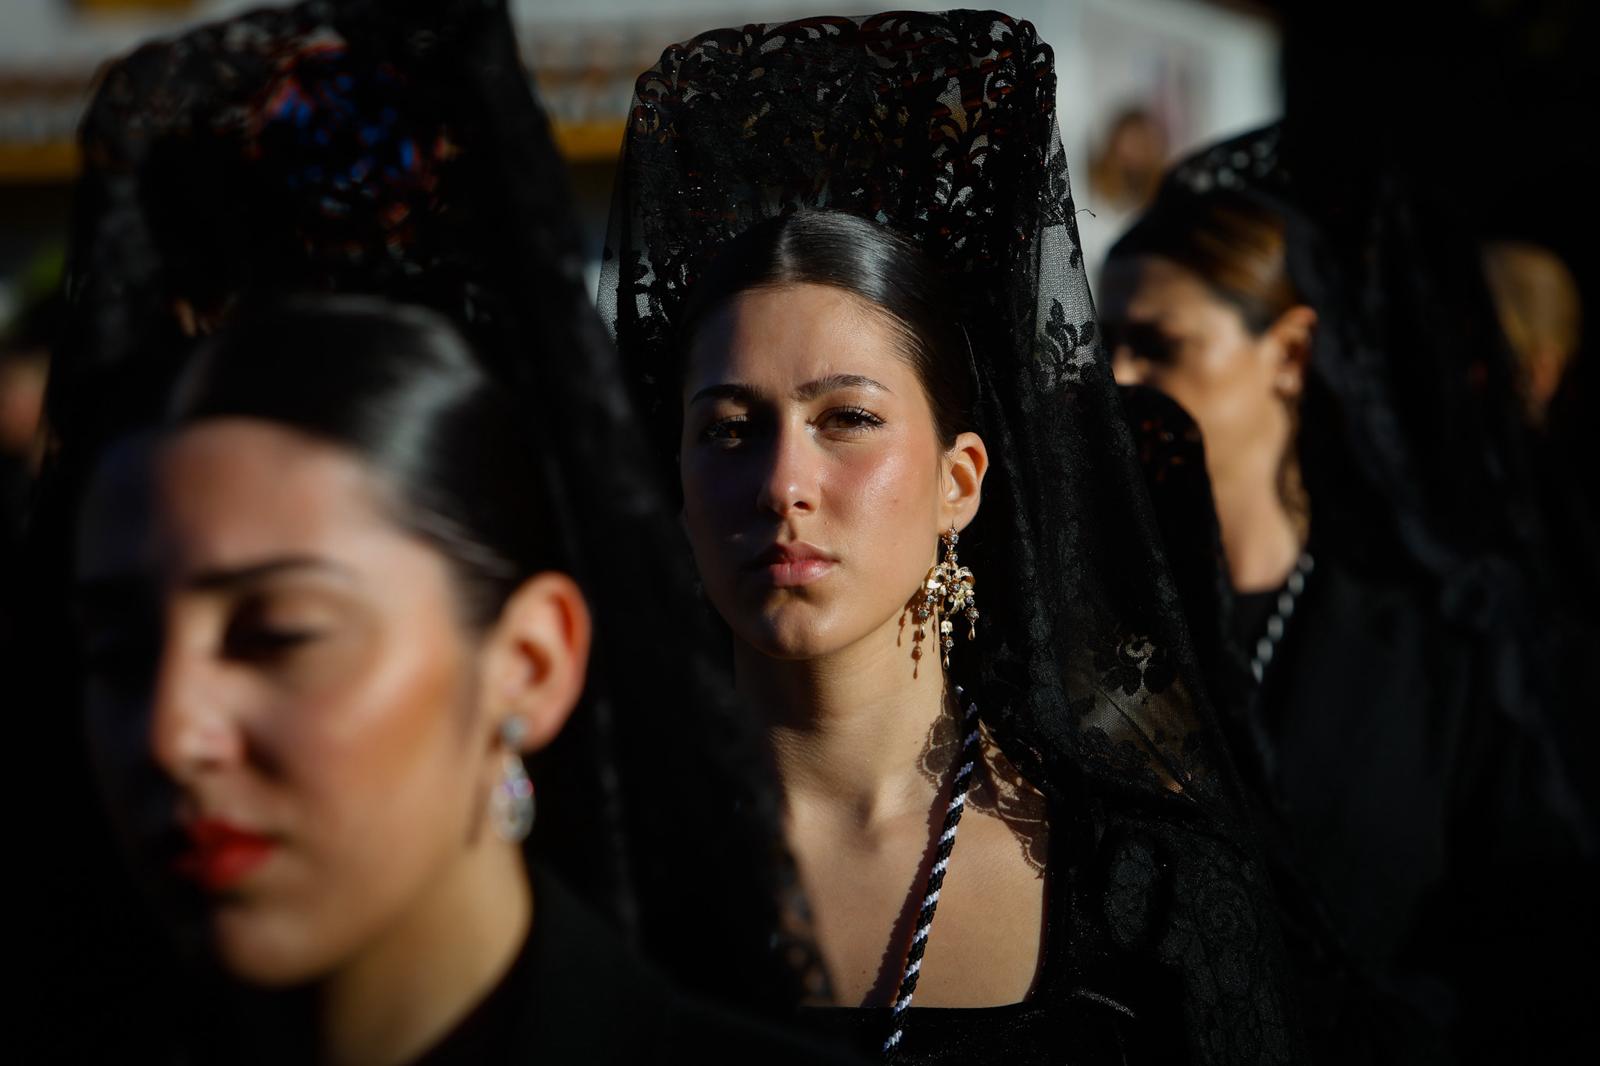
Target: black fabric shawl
(1104,993)
(943,128)
(1433,895)
(577,995)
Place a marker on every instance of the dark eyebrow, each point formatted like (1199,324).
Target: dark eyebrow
(111,588)
(731,391)
(812,389)
(233,577)
(809,391)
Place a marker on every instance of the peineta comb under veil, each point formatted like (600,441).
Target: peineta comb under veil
(396,149)
(942,126)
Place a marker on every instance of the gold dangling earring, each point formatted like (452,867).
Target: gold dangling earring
(948,591)
(960,596)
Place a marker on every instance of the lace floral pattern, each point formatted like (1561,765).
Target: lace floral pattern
(895,117)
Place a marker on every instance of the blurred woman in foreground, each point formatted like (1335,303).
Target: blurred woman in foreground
(321,629)
(395,150)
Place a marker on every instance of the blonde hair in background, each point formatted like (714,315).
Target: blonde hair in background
(1537,300)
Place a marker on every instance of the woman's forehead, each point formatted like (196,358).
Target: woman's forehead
(783,339)
(223,493)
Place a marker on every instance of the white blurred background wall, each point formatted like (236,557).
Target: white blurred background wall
(1165,75)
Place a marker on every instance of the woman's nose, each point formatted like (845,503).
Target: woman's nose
(191,732)
(790,483)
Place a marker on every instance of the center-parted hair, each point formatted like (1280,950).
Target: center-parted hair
(872,262)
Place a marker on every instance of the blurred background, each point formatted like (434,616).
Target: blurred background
(1142,82)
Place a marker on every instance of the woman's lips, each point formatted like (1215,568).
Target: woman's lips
(221,855)
(797,572)
(791,565)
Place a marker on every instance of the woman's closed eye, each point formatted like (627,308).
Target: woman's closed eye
(258,643)
(256,634)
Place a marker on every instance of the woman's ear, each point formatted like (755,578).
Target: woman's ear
(536,658)
(965,464)
(1290,338)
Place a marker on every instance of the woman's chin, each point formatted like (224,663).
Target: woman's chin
(261,952)
(792,635)
(788,647)
(798,632)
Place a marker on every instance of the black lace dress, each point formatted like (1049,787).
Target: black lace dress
(1424,812)
(1102,996)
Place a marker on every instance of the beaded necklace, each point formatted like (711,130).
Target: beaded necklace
(1278,623)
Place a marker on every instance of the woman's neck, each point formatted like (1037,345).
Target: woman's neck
(850,729)
(1259,536)
(407,990)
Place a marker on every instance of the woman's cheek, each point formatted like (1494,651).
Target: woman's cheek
(704,545)
(718,507)
(1232,393)
(700,497)
(1198,382)
(886,496)
(378,703)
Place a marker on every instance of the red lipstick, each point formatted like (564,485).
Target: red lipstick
(792,565)
(221,855)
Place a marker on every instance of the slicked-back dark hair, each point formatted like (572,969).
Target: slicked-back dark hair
(1235,244)
(400,388)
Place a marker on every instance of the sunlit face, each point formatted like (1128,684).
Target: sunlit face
(815,486)
(1171,332)
(280,696)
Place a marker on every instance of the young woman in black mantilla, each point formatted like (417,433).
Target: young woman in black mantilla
(1362,575)
(843,266)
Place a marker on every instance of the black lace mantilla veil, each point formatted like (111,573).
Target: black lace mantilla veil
(396,148)
(943,127)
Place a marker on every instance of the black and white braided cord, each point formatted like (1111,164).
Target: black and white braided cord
(965,761)
(1278,622)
